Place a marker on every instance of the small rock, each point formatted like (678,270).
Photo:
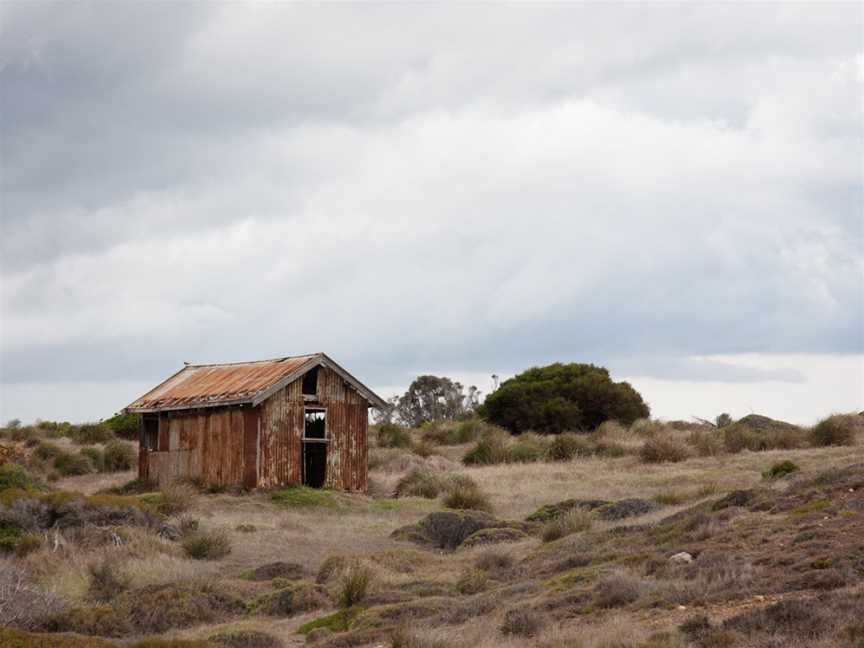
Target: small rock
(759,597)
(170,532)
(682,607)
(681,557)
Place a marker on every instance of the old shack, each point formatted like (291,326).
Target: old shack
(294,420)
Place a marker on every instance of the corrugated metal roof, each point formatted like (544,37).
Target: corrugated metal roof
(235,383)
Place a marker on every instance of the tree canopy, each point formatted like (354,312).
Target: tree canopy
(562,397)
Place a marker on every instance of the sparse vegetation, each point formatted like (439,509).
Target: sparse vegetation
(571,522)
(354,585)
(837,430)
(780,469)
(206,545)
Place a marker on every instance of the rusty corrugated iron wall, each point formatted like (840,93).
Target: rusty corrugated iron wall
(208,445)
(263,446)
(281,458)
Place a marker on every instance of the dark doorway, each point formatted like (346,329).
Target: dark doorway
(315,447)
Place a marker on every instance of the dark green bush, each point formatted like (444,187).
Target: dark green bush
(780,469)
(562,397)
(125,426)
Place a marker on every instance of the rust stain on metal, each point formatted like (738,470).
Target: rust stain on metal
(207,385)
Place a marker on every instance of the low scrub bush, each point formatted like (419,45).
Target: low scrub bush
(354,586)
(527,448)
(494,560)
(571,522)
(135,487)
(106,581)
(47,450)
(69,464)
(780,469)
(660,449)
(176,498)
(90,433)
(119,455)
(491,449)
(13,475)
(472,581)
(522,622)
(206,545)
(567,446)
(616,590)
(423,449)
(837,430)
(740,436)
(420,483)
(707,443)
(463,493)
(390,435)
(96,457)
(245,639)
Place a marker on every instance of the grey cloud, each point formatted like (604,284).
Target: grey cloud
(408,186)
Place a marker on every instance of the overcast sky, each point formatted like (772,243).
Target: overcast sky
(674,191)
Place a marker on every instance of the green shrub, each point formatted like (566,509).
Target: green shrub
(124,425)
(69,464)
(490,449)
(13,475)
(119,455)
(390,435)
(660,449)
(203,545)
(836,430)
(780,469)
(354,586)
(90,433)
(562,397)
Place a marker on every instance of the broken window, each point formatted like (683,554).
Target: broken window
(315,427)
(310,382)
